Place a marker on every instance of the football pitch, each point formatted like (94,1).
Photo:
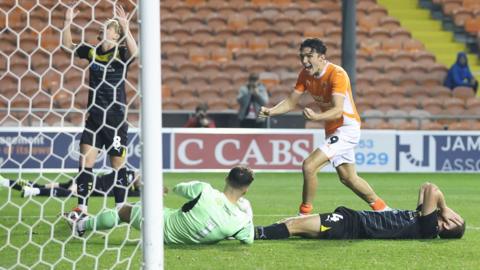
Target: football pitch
(38,234)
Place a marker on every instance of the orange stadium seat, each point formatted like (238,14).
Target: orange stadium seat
(237,21)
(218,104)
(389,23)
(181,9)
(201,32)
(407,104)
(225,9)
(179,32)
(473,106)
(461,15)
(433,126)
(197,80)
(432,105)
(198,55)
(412,45)
(171,104)
(420,116)
(461,125)
(208,93)
(184,91)
(258,44)
(397,117)
(204,10)
(407,125)
(216,20)
(234,44)
(377,11)
(403,57)
(372,116)
(212,43)
(463,92)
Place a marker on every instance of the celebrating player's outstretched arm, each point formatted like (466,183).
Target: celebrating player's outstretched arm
(282,107)
(67,33)
(124,23)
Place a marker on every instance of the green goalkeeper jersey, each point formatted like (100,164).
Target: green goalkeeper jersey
(207,217)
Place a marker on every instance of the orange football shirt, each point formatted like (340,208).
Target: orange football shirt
(332,81)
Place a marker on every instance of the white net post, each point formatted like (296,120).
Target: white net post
(152,201)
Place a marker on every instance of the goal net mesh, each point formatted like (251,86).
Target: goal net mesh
(44,93)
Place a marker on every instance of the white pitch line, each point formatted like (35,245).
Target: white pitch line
(273,215)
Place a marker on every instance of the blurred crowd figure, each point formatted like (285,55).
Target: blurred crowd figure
(200,119)
(459,74)
(251,97)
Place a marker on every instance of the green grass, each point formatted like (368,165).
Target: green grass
(273,197)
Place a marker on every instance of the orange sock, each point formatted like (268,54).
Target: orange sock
(305,208)
(378,205)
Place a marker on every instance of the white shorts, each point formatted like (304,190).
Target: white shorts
(339,146)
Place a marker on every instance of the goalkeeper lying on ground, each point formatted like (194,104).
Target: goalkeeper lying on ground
(431,219)
(208,217)
(103,186)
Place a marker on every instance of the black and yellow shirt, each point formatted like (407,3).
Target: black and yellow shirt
(345,223)
(108,70)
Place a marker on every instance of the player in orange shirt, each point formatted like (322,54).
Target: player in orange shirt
(329,86)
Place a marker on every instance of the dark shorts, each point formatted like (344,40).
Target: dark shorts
(333,226)
(112,135)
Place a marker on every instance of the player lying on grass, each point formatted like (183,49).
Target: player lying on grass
(329,85)
(208,217)
(103,186)
(432,218)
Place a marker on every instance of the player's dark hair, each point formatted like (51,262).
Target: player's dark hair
(201,107)
(314,43)
(240,176)
(455,233)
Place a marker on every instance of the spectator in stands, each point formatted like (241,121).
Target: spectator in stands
(200,119)
(460,75)
(251,98)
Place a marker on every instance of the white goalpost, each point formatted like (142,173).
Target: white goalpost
(150,85)
(46,100)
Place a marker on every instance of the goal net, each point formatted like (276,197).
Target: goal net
(46,97)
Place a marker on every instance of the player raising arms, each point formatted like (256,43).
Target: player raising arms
(106,121)
(329,86)
(208,217)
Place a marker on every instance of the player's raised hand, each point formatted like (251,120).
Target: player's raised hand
(309,114)
(122,16)
(70,14)
(264,112)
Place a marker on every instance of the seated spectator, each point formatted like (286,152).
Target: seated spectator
(200,119)
(251,97)
(459,74)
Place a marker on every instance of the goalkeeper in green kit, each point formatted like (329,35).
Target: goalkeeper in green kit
(208,217)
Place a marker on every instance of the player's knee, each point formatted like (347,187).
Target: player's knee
(426,185)
(292,224)
(307,166)
(429,187)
